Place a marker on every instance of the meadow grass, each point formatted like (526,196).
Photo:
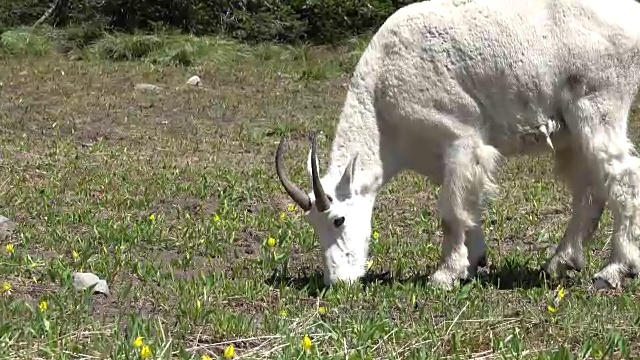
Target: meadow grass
(172,197)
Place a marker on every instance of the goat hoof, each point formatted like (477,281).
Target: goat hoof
(602,284)
(442,279)
(482,262)
(576,264)
(552,270)
(559,267)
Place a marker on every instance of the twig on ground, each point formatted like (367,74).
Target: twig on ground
(47,14)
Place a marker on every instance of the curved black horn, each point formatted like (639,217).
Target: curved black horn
(322,201)
(298,196)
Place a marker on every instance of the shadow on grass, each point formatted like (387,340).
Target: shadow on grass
(503,277)
(313,283)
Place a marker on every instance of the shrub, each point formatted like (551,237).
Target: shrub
(83,35)
(288,21)
(129,47)
(22,41)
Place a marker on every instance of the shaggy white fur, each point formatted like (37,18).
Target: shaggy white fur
(446,88)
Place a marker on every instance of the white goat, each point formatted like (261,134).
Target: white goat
(447,87)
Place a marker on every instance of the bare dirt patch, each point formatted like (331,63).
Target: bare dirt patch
(171,208)
(173,261)
(103,129)
(121,301)
(249,242)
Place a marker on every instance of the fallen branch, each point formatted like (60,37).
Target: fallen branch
(47,14)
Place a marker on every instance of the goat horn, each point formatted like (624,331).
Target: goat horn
(298,196)
(322,201)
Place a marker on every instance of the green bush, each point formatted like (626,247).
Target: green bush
(128,47)
(285,21)
(83,35)
(22,41)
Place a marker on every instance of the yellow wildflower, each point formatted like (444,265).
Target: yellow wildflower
(6,287)
(560,292)
(205,357)
(283,216)
(291,207)
(152,217)
(229,352)
(75,255)
(322,310)
(271,242)
(369,264)
(306,342)
(375,234)
(10,249)
(552,309)
(283,313)
(145,352)
(43,306)
(216,218)
(138,341)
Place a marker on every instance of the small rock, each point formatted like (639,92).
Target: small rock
(148,87)
(6,228)
(82,281)
(194,80)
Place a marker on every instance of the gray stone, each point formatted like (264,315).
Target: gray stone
(6,228)
(82,281)
(148,87)
(194,80)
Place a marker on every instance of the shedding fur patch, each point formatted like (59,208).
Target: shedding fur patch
(549,128)
(536,135)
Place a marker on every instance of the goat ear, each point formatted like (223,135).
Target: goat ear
(345,185)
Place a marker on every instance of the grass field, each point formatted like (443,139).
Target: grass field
(171,196)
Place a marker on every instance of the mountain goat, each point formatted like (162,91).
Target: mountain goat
(447,88)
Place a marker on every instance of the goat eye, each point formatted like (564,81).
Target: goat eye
(337,222)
